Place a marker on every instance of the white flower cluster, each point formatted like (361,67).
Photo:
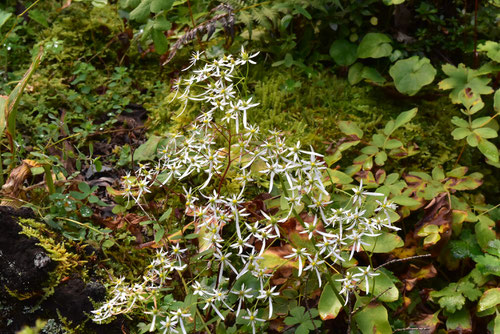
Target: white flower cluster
(247,158)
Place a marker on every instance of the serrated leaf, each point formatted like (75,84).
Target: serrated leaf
(492,50)
(343,52)
(375,45)
(411,74)
(459,321)
(462,77)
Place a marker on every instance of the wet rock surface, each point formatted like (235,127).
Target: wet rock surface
(25,270)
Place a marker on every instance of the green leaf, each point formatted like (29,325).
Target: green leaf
(459,321)
(350,128)
(343,52)
(460,133)
(4,16)
(85,211)
(329,305)
(371,74)
(381,286)
(393,2)
(404,118)
(355,73)
(84,188)
(460,122)
(162,24)
(492,50)
(486,133)
(159,5)
(448,298)
(489,149)
(392,144)
(380,158)
(481,121)
(485,232)
(147,151)
(160,41)
(301,10)
(373,319)
(462,77)
(490,298)
(411,74)
(141,12)
(496,101)
(165,215)
(37,16)
(405,200)
(159,233)
(384,243)
(375,45)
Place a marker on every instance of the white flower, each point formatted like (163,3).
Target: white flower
(365,274)
(298,254)
(252,318)
(313,264)
(359,194)
(268,294)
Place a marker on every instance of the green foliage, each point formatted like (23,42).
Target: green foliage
(411,74)
(304,319)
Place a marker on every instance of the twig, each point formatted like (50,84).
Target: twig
(403,260)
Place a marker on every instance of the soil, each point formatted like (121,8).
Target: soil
(25,269)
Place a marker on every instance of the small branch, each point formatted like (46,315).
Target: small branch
(403,260)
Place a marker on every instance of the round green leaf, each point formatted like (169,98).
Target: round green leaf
(373,319)
(375,45)
(343,52)
(381,286)
(383,243)
(411,74)
(329,305)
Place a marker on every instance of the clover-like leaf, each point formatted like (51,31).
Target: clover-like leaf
(492,50)
(462,77)
(411,74)
(375,45)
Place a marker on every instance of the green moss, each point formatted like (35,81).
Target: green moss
(67,261)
